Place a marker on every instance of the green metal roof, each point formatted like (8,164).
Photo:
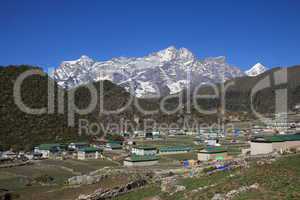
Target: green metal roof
(138,158)
(174,148)
(277,138)
(48,146)
(145,147)
(89,150)
(211,150)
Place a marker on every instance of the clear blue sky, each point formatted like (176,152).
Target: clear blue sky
(45,32)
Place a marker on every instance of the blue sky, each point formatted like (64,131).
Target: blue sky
(46,32)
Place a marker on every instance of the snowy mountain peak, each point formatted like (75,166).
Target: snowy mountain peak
(257,69)
(83,60)
(170,48)
(167,71)
(185,54)
(84,57)
(171,53)
(167,54)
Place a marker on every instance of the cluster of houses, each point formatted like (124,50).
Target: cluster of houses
(80,151)
(280,134)
(149,155)
(281,123)
(158,134)
(208,137)
(137,155)
(17,156)
(6,155)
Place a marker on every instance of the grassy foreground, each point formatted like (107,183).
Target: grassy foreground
(16,179)
(279,180)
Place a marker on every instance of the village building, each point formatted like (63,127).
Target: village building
(191,133)
(9,155)
(209,133)
(156,133)
(149,135)
(139,134)
(174,150)
(297,108)
(275,143)
(142,156)
(176,131)
(33,156)
(113,145)
(136,160)
(213,153)
(88,153)
(128,144)
(78,145)
(125,134)
(144,150)
(212,142)
(99,143)
(199,141)
(48,150)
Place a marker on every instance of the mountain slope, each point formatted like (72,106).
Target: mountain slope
(22,130)
(164,72)
(238,96)
(19,129)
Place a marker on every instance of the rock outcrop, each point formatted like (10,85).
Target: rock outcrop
(102,194)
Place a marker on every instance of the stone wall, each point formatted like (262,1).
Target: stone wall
(102,194)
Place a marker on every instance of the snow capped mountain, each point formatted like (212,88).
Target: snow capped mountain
(257,69)
(164,72)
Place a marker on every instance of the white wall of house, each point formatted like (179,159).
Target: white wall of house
(143,152)
(138,164)
(72,146)
(260,148)
(264,148)
(9,154)
(203,157)
(45,153)
(211,142)
(81,155)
